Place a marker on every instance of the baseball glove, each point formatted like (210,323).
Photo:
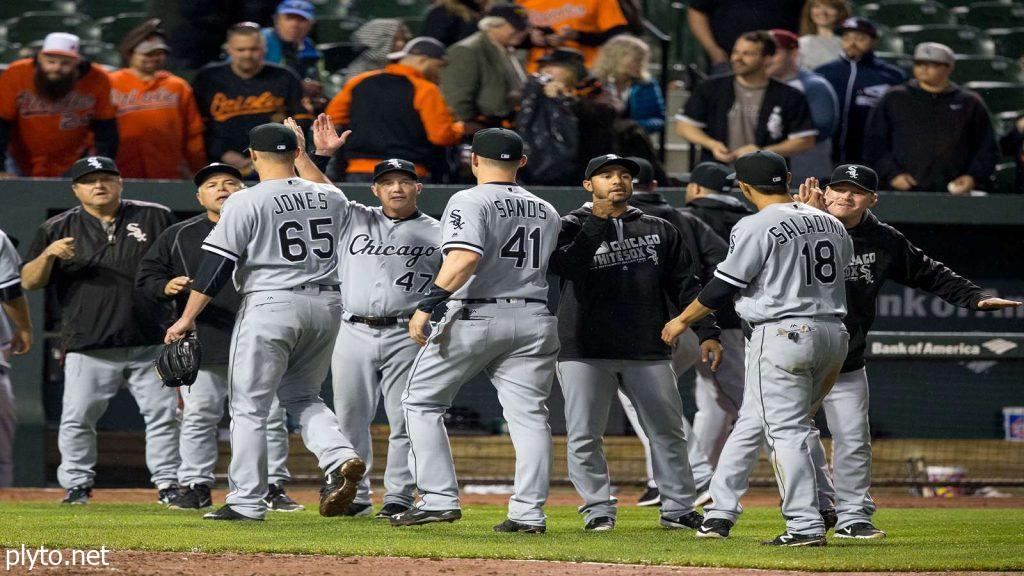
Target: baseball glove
(178,363)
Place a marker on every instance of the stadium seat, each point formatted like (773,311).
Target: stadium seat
(993,15)
(416,25)
(904,62)
(1000,96)
(962,39)
(985,68)
(33,26)
(9,52)
(1009,42)
(97,9)
(329,8)
(367,9)
(338,55)
(14,8)
(333,29)
(1005,177)
(958,5)
(113,29)
(889,41)
(908,12)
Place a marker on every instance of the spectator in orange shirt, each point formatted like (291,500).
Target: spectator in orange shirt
(53,109)
(398,112)
(581,24)
(158,120)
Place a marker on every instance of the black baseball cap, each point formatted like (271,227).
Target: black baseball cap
(761,168)
(857,174)
(512,13)
(857,24)
(645,177)
(272,137)
(421,46)
(91,164)
(596,164)
(394,165)
(498,144)
(713,176)
(205,172)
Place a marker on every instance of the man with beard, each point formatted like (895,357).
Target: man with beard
(49,106)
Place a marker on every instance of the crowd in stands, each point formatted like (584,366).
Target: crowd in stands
(573,77)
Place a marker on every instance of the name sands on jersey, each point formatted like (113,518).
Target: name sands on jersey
(791,228)
(364,244)
(295,201)
(519,208)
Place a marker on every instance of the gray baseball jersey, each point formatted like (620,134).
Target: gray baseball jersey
(281,234)
(787,260)
(10,275)
(387,265)
(515,233)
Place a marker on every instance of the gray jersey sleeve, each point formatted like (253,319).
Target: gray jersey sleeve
(749,248)
(463,225)
(10,263)
(233,232)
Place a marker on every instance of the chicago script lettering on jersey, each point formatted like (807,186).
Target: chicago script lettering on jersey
(294,201)
(366,245)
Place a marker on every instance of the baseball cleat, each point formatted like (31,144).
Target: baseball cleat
(390,509)
(830,517)
(860,530)
(650,497)
(417,516)
(168,495)
(358,510)
(793,540)
(277,500)
(339,487)
(714,528)
(77,495)
(513,526)
(691,520)
(600,524)
(194,497)
(226,512)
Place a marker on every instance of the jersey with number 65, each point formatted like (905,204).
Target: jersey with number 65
(788,260)
(387,265)
(514,232)
(281,234)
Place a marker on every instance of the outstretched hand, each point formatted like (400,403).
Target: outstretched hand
(326,139)
(299,134)
(810,193)
(997,304)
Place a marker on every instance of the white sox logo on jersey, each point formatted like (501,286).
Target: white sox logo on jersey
(135,232)
(455,219)
(365,244)
(860,269)
(627,251)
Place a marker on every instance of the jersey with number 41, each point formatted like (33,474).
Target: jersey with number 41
(788,260)
(514,232)
(281,234)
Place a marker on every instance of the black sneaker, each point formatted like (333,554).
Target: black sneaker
(339,487)
(691,520)
(830,517)
(650,497)
(78,495)
(226,512)
(513,526)
(358,510)
(194,497)
(278,501)
(416,516)
(787,539)
(861,530)
(168,495)
(714,528)
(600,524)
(390,509)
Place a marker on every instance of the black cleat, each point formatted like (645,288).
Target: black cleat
(358,510)
(600,524)
(226,512)
(416,516)
(860,530)
(787,539)
(650,497)
(390,509)
(194,497)
(168,495)
(78,495)
(513,526)
(691,520)
(339,487)
(830,517)
(277,500)
(714,528)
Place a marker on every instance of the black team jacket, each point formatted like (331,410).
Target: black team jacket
(721,212)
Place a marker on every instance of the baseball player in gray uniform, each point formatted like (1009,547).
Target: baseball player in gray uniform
(15,341)
(391,255)
(280,241)
(497,239)
(786,264)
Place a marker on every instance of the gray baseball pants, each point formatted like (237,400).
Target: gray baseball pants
(513,342)
(91,379)
(281,345)
(367,363)
(589,386)
(203,408)
(718,395)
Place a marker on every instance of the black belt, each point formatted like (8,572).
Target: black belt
(496,300)
(322,287)
(377,321)
(795,316)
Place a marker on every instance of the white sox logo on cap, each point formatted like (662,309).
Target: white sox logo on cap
(395,163)
(94,162)
(852,171)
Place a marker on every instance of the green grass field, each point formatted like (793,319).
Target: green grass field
(919,539)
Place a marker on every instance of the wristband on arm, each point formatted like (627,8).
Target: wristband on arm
(434,297)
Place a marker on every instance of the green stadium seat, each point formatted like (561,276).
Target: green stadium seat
(97,9)
(335,29)
(1009,42)
(959,5)
(33,26)
(113,29)
(14,8)
(1000,96)
(329,8)
(368,9)
(908,12)
(1006,177)
(338,55)
(986,68)
(962,39)
(904,62)
(993,15)
(415,25)
(889,40)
